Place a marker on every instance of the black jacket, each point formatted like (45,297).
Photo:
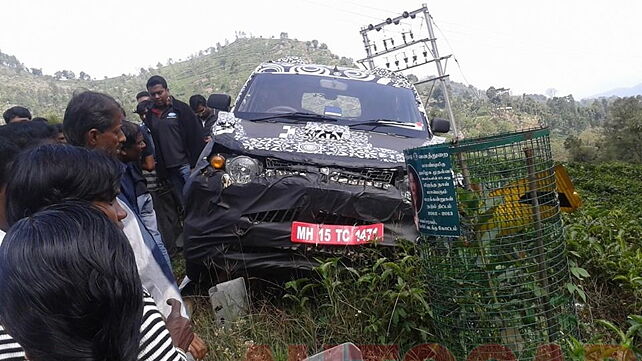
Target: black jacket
(191,130)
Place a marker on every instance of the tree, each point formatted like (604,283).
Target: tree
(315,43)
(491,94)
(623,131)
(68,74)
(159,65)
(36,71)
(578,152)
(323,46)
(283,36)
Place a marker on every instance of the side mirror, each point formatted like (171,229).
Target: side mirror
(440,125)
(220,102)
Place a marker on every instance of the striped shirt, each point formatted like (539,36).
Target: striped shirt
(155,342)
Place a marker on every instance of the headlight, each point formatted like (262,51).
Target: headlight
(243,169)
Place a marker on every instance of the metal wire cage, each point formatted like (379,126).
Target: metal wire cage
(503,281)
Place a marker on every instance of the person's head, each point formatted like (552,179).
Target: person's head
(60,137)
(14,138)
(199,106)
(93,120)
(40,119)
(142,108)
(27,134)
(134,143)
(70,286)
(16,114)
(52,174)
(158,91)
(142,96)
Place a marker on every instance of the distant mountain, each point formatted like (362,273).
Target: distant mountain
(218,69)
(621,92)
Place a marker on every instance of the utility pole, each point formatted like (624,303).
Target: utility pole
(428,46)
(440,71)
(367,45)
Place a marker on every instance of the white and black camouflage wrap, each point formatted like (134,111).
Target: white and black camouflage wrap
(314,138)
(321,138)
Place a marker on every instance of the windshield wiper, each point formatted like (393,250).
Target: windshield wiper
(296,116)
(383,122)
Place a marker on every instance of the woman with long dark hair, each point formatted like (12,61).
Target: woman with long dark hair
(56,174)
(70,290)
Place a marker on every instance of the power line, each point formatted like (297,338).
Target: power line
(452,50)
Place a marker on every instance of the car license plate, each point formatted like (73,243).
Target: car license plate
(335,235)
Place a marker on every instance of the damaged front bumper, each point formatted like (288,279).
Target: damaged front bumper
(245,229)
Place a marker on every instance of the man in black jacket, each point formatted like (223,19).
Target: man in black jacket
(177,134)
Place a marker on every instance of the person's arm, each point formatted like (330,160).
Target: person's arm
(193,129)
(148,163)
(156,341)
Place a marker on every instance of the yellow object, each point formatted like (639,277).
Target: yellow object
(569,199)
(516,209)
(217,161)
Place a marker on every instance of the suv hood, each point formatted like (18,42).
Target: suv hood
(314,142)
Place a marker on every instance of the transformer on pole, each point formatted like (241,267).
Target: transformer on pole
(408,45)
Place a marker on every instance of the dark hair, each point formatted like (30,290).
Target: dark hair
(52,174)
(8,151)
(196,100)
(70,286)
(86,111)
(16,111)
(156,80)
(57,127)
(144,93)
(131,131)
(15,137)
(143,107)
(26,134)
(40,119)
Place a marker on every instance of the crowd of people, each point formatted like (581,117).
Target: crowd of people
(92,214)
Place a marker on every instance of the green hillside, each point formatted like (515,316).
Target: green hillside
(224,71)
(577,126)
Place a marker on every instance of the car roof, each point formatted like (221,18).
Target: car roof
(294,65)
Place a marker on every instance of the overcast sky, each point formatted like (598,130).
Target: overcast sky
(579,47)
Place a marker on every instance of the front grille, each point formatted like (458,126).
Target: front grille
(273,163)
(281,215)
(337,219)
(379,178)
